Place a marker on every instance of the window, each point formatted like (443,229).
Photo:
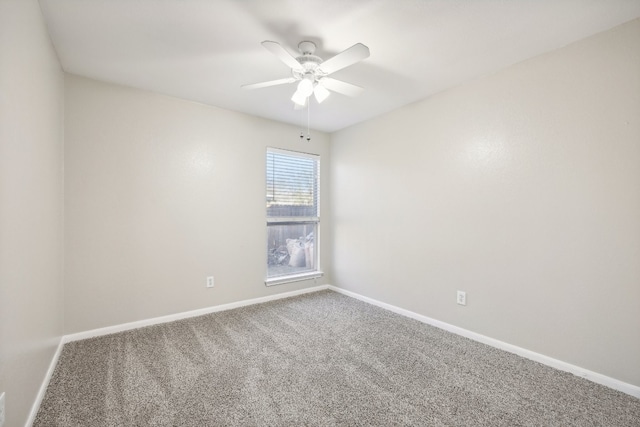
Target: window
(293,216)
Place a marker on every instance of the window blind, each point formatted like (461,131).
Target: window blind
(292,184)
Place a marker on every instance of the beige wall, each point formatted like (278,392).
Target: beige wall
(159,194)
(520,188)
(31,205)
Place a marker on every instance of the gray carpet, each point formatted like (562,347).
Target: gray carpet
(320,359)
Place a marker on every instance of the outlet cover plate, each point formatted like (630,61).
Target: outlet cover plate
(210,282)
(462,298)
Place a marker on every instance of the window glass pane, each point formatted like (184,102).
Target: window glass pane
(292,185)
(292,212)
(291,249)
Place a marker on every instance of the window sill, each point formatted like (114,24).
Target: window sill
(292,278)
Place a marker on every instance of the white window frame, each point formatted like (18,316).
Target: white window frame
(315,220)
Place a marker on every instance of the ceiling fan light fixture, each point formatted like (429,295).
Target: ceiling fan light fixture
(311,72)
(299,98)
(305,87)
(321,93)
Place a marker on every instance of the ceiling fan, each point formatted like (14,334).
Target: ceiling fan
(312,73)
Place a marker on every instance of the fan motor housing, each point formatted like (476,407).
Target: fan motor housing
(308,60)
(309,63)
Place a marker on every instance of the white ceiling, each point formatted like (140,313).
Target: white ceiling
(204,50)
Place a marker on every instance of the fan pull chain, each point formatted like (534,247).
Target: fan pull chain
(301,124)
(308,119)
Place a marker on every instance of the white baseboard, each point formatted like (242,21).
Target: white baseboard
(604,380)
(549,361)
(184,315)
(45,384)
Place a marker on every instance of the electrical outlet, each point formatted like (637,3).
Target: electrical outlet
(2,409)
(462,298)
(210,282)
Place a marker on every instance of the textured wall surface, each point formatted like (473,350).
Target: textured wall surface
(520,188)
(31,205)
(161,193)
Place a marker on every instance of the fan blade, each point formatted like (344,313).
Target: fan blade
(341,87)
(282,54)
(355,53)
(269,83)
